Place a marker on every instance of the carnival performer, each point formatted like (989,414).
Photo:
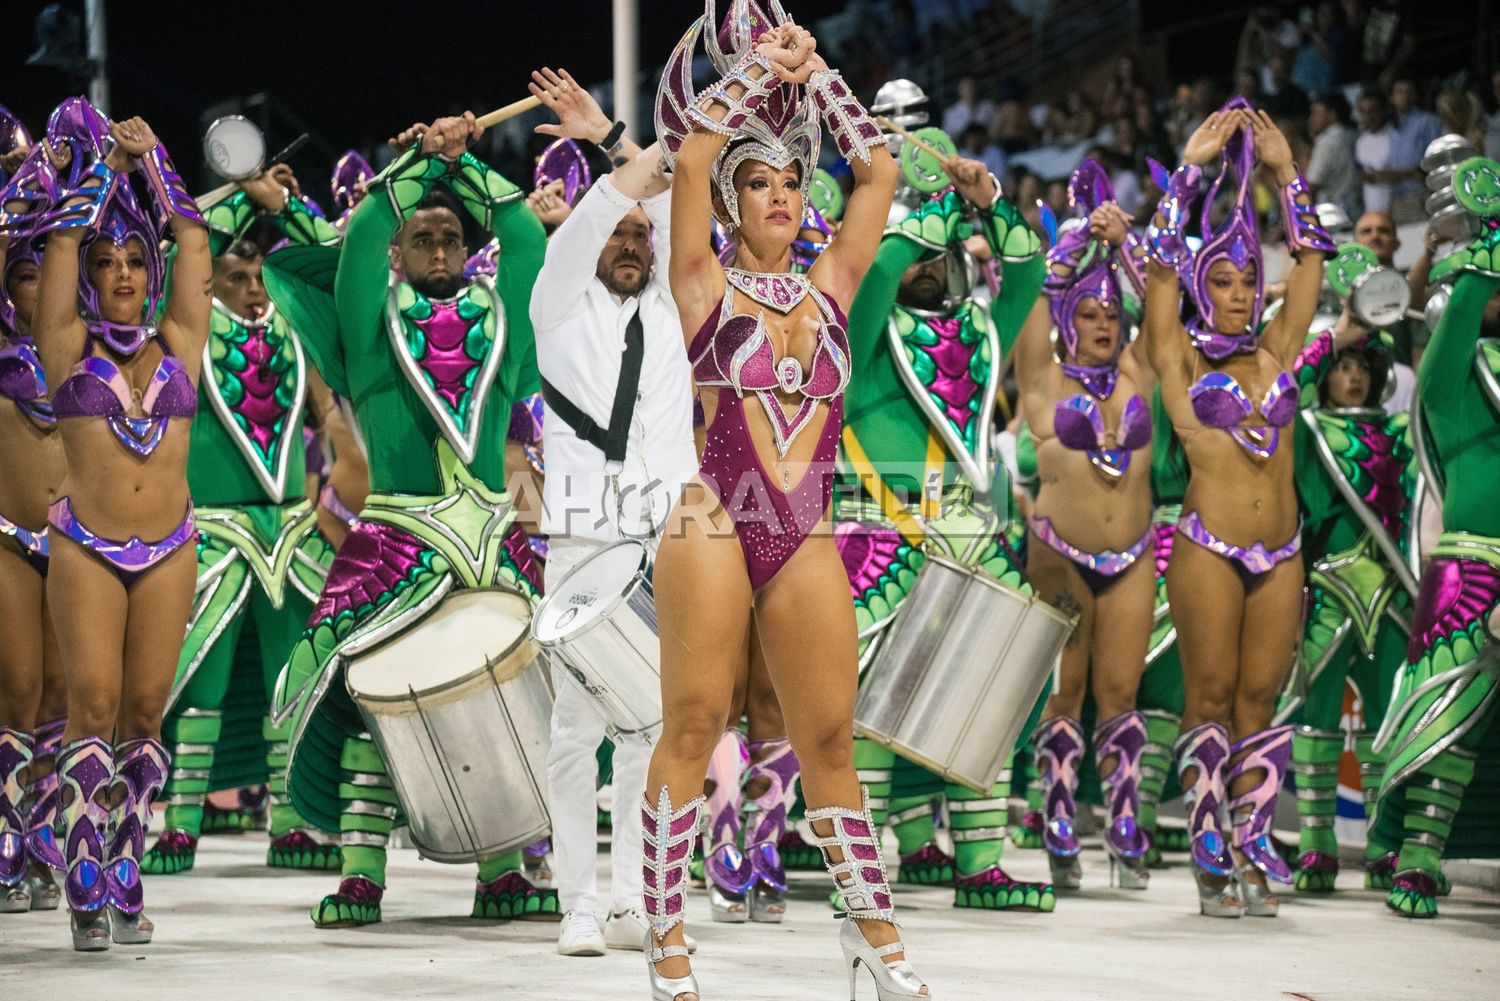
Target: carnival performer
(1235,577)
(750,538)
(618,441)
(123,359)
(32,694)
(928,361)
(261,560)
(1439,732)
(1091,545)
(430,366)
(1356,474)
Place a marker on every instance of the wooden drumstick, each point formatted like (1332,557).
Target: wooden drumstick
(511,110)
(926,147)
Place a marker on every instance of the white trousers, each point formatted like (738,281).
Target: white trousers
(572,774)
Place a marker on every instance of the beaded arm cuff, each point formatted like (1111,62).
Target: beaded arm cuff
(737,110)
(170,193)
(854,131)
(1300,216)
(82,207)
(1166,239)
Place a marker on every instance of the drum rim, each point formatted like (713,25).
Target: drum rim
(495,668)
(605,613)
(1364,280)
(977,573)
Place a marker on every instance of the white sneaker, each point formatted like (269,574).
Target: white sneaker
(580,935)
(627,929)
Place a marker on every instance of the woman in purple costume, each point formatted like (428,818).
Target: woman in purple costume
(750,537)
(1091,546)
(1235,576)
(124,365)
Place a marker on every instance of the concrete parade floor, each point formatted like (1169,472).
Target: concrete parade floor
(232,931)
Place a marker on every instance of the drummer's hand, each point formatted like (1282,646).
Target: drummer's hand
(972,180)
(578,114)
(408,137)
(450,137)
(134,136)
(1348,328)
(286,177)
(266,190)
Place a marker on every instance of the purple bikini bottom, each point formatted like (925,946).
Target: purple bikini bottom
(130,560)
(33,544)
(1251,563)
(330,501)
(1099,570)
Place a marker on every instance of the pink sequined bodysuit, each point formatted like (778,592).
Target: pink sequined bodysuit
(734,352)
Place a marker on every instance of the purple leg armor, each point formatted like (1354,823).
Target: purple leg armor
(141,767)
(1059,749)
(87,768)
(1122,740)
(1268,752)
(1205,749)
(44,798)
(726,866)
(781,769)
(15,755)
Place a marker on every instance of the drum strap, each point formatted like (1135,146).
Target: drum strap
(611,440)
(870,479)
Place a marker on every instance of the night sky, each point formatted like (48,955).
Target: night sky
(355,78)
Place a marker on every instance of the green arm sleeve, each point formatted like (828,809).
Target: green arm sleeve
(877,295)
(364,264)
(523,245)
(1021,284)
(301,227)
(228,221)
(1449,357)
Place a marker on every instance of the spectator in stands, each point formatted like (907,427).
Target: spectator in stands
(1266,34)
(1280,97)
(1492,124)
(968,109)
(1461,112)
(974,142)
(1151,135)
(1325,41)
(1012,129)
(1331,171)
(1124,81)
(1386,41)
(1372,149)
(1412,129)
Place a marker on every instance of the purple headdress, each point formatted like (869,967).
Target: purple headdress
(804,251)
(564,160)
(352,170)
(94,198)
(771,122)
(485,261)
(1238,241)
(13,135)
(1079,267)
(23,250)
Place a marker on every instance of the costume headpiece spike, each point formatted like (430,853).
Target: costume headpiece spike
(564,160)
(351,175)
(1238,239)
(1079,267)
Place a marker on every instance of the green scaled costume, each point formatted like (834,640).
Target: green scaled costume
(1440,791)
(918,419)
(1356,478)
(261,563)
(431,384)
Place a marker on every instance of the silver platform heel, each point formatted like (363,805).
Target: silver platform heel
(1259,901)
(859,875)
(42,886)
(666,849)
(1222,901)
(90,929)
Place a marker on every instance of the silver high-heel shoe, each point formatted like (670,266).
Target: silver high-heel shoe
(859,875)
(90,930)
(666,848)
(668,988)
(762,899)
(126,929)
(1067,873)
(1217,901)
(893,981)
(1260,900)
(46,895)
(17,898)
(1129,879)
(728,908)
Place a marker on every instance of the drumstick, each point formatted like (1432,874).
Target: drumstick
(511,110)
(926,147)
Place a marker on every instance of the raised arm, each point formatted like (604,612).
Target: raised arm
(1033,351)
(579,115)
(1306,238)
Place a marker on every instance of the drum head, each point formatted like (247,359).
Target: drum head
(590,592)
(1380,297)
(920,168)
(1476,186)
(452,643)
(234,147)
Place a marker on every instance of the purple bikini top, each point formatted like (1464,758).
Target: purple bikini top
(96,387)
(1079,424)
(1219,401)
(734,350)
(22,380)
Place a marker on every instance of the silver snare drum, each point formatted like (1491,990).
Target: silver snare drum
(599,625)
(959,673)
(460,709)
